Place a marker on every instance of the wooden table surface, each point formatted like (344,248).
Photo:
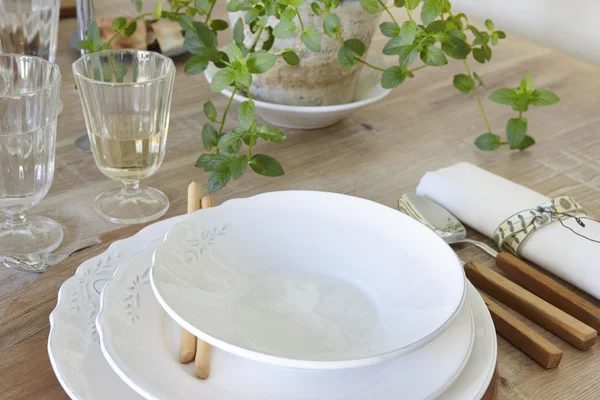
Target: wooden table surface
(378,153)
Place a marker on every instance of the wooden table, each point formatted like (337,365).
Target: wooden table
(378,153)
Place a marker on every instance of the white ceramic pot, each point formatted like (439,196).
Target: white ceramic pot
(318,80)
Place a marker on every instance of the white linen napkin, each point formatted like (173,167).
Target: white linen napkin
(483,200)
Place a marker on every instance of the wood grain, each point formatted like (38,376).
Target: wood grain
(529,305)
(549,289)
(522,336)
(378,153)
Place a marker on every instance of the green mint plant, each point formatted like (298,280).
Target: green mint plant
(440,35)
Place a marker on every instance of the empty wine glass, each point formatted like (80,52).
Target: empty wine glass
(126,98)
(29,90)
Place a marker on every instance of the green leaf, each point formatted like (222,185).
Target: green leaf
(119,23)
(494,38)
(205,34)
(370,6)
(399,3)
(209,136)
(393,46)
(269,133)
(192,43)
(268,44)
(187,23)
(291,57)
(431,10)
(412,4)
(501,35)
(158,10)
(346,58)
(482,38)
(488,142)
(478,55)
(478,79)
(316,8)
(195,65)
(489,24)
(93,35)
(284,29)
(213,162)
(243,77)
(331,24)
(393,77)
(238,166)
(265,165)
(209,54)
(456,48)
(138,5)
(463,83)
(356,45)
(526,84)
(389,29)
(210,111)
(260,62)
(310,38)
(431,55)
(407,54)
(436,26)
(543,97)
(234,53)
(231,139)
(251,15)
(246,114)
(408,32)
(218,25)
(218,180)
(130,28)
(505,96)
(487,52)
(238,31)
(86,45)
(222,79)
(527,142)
(516,130)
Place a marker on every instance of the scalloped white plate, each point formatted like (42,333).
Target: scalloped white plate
(139,339)
(306,279)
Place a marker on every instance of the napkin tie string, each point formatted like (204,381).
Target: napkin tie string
(511,233)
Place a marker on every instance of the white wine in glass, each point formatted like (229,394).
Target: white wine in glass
(126,98)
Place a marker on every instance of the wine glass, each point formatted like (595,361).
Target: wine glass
(126,99)
(29,90)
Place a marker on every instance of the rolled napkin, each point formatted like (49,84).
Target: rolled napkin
(483,201)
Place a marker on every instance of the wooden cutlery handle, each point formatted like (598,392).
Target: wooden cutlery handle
(549,290)
(522,336)
(526,303)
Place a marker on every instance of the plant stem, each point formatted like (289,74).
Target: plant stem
(118,33)
(485,118)
(409,14)
(222,124)
(260,31)
(386,9)
(369,65)
(300,19)
(418,68)
(210,10)
(520,114)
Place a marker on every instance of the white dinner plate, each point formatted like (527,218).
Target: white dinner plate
(326,281)
(141,343)
(84,373)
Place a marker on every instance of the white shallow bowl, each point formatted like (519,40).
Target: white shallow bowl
(84,373)
(308,280)
(141,343)
(369,91)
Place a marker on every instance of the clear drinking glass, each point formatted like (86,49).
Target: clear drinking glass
(29,27)
(126,98)
(29,90)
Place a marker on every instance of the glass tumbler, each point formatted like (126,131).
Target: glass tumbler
(29,90)
(126,98)
(29,27)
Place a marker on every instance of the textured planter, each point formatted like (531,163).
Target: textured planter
(318,80)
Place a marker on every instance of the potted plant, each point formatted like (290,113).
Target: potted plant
(437,36)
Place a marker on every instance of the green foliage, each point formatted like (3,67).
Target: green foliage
(488,142)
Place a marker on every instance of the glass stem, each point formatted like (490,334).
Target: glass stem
(131,186)
(14,220)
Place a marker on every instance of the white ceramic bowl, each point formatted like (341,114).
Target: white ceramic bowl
(368,92)
(308,280)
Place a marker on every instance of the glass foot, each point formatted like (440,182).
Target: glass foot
(34,236)
(132,206)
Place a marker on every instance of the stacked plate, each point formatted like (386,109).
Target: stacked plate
(303,296)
